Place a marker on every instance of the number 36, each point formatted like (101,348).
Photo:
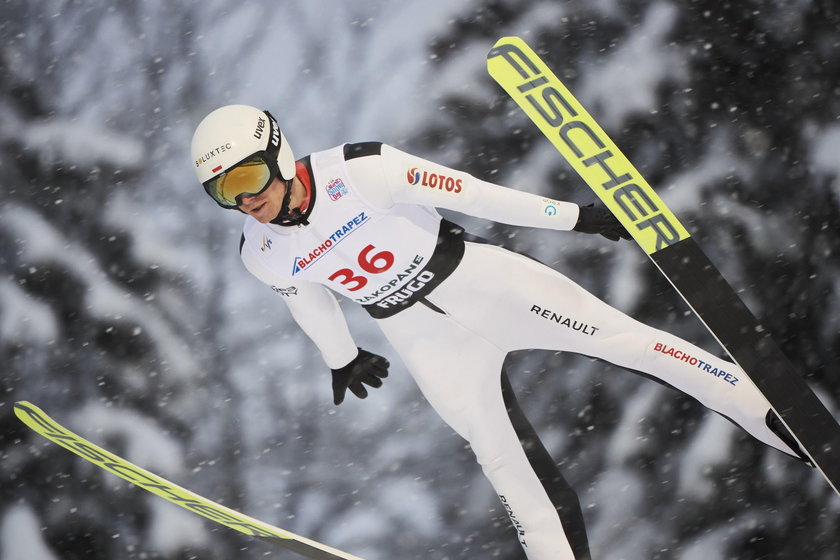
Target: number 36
(376,263)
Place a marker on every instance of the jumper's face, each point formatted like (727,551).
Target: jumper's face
(265,206)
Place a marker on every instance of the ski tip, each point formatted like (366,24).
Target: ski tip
(509,39)
(24,410)
(501,42)
(22,405)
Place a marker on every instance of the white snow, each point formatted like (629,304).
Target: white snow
(82,144)
(146,443)
(628,436)
(710,448)
(43,243)
(624,82)
(173,528)
(354,72)
(24,319)
(714,544)
(20,536)
(826,146)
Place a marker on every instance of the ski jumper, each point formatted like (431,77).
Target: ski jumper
(453,307)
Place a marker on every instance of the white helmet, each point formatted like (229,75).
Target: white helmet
(239,149)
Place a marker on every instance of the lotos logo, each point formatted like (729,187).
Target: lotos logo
(413,176)
(433,180)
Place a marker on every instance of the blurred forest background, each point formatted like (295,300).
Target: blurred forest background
(125,313)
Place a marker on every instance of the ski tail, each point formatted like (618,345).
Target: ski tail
(608,172)
(40,422)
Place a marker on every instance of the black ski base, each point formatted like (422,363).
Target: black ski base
(747,342)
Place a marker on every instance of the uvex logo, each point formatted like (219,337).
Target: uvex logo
(433,180)
(260,128)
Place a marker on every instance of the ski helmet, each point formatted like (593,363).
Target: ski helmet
(239,150)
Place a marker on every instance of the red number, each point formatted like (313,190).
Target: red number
(369,264)
(372,264)
(349,278)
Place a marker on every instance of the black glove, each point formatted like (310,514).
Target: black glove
(600,220)
(364,368)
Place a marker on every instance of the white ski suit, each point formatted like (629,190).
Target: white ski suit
(453,308)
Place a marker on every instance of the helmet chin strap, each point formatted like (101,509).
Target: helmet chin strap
(287,216)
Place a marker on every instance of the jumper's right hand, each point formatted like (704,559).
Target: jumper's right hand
(594,219)
(365,368)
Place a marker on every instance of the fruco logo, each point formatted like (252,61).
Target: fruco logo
(433,180)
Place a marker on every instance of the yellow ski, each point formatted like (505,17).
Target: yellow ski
(588,149)
(38,421)
(584,144)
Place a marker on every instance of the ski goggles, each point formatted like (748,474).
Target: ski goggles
(249,177)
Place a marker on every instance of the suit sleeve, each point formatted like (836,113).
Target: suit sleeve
(314,308)
(409,179)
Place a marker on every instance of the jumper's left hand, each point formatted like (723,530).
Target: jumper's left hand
(365,368)
(600,220)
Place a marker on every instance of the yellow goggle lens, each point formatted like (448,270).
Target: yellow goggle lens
(250,177)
